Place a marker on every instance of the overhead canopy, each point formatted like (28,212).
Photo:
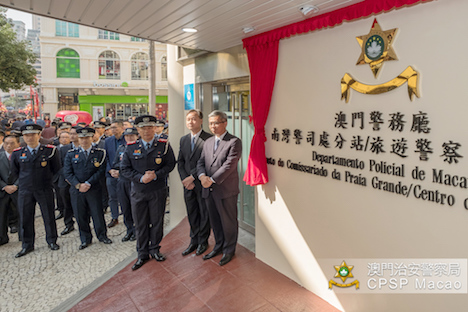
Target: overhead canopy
(220,23)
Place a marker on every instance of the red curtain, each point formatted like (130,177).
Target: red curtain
(262,63)
(262,52)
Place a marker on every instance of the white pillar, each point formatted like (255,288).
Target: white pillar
(152,77)
(175,81)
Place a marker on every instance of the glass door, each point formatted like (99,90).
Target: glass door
(234,100)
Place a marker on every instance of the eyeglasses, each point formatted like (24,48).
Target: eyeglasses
(216,123)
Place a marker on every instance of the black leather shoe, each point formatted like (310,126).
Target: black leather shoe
(225,259)
(83,246)
(133,238)
(201,249)
(212,254)
(139,263)
(191,248)
(59,216)
(24,252)
(126,238)
(113,223)
(158,256)
(13,229)
(54,246)
(105,240)
(67,230)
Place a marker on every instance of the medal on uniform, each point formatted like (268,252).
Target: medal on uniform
(96,163)
(23,156)
(44,163)
(137,152)
(158,160)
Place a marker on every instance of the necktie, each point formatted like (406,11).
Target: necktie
(34,152)
(193,142)
(147,146)
(216,144)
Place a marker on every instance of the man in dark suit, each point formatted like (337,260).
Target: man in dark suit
(63,186)
(217,171)
(111,145)
(83,169)
(191,146)
(147,163)
(9,188)
(35,166)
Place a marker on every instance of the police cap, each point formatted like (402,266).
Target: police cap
(99,124)
(65,125)
(145,120)
(30,128)
(130,131)
(85,132)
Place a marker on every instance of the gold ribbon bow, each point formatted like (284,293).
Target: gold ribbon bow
(408,75)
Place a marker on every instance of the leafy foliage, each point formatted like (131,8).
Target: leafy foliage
(16,58)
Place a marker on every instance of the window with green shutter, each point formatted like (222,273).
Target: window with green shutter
(68,64)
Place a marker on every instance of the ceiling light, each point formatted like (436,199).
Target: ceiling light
(189,30)
(246,30)
(307,9)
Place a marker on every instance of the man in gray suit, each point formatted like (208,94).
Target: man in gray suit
(217,171)
(8,192)
(191,146)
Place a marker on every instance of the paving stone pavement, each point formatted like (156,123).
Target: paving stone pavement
(43,279)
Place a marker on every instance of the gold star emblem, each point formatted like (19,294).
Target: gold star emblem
(343,271)
(376,47)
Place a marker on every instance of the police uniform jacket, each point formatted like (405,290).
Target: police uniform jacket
(137,160)
(118,159)
(79,169)
(35,173)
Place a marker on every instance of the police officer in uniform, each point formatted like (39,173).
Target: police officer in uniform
(124,185)
(84,167)
(147,164)
(35,166)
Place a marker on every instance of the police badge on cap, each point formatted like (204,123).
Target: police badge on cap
(31,128)
(85,132)
(99,124)
(65,125)
(145,121)
(130,131)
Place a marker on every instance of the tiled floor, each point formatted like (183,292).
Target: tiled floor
(191,284)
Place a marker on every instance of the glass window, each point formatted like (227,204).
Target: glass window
(109,65)
(104,34)
(66,29)
(140,66)
(68,64)
(164,68)
(137,39)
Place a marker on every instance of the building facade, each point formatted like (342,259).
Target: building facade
(101,72)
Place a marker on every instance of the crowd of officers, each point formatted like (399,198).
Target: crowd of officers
(87,168)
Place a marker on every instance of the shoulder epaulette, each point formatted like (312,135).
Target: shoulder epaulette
(131,143)
(71,150)
(162,140)
(50,146)
(17,149)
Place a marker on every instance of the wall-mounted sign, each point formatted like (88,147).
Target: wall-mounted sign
(189,96)
(109,85)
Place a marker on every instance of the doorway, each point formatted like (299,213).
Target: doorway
(234,100)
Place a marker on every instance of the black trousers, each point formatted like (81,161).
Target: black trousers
(68,214)
(223,219)
(7,203)
(86,205)
(27,207)
(58,198)
(123,195)
(198,217)
(148,211)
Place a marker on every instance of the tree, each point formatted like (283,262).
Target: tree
(16,58)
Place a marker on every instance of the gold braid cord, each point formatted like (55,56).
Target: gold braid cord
(408,75)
